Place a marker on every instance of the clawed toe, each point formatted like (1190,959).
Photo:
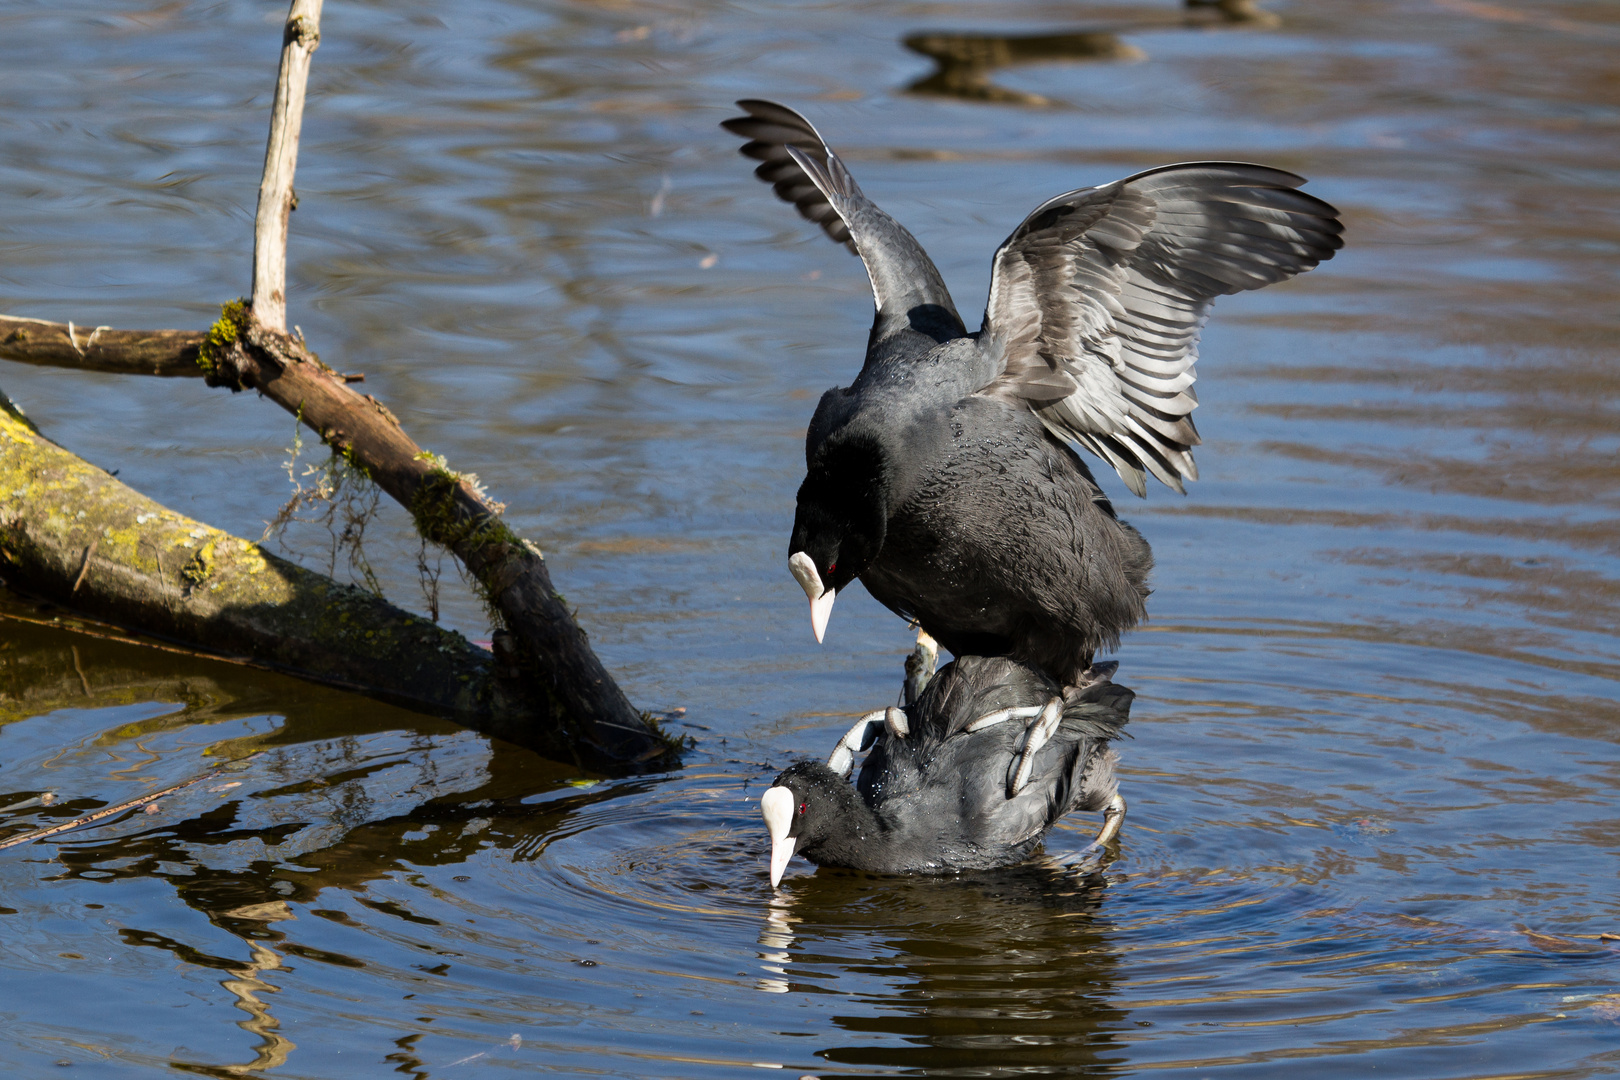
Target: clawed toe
(1037,735)
(1113,818)
(857,738)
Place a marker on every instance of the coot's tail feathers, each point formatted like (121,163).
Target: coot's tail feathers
(1101,713)
(1097,300)
(1098,785)
(803,170)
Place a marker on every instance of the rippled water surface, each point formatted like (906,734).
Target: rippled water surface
(1373,783)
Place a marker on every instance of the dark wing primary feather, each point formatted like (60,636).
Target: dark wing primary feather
(1096,300)
(770,129)
(804,171)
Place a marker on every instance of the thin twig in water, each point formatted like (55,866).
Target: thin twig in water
(105,812)
(429,576)
(84,567)
(78,667)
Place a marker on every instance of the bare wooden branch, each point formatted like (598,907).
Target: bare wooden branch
(106,811)
(300,38)
(101,348)
(580,699)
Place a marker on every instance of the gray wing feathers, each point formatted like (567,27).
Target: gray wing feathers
(1098,298)
(804,171)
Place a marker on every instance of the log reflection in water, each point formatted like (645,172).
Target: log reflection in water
(314,812)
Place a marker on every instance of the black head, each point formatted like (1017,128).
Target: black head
(843,513)
(809,806)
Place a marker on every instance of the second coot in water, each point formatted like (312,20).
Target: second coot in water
(942,476)
(972,775)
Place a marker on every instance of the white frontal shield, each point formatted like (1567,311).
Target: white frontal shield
(777,806)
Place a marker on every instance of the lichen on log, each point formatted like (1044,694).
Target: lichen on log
(73,534)
(571,687)
(573,701)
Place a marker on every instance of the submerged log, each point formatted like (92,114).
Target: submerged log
(73,534)
(449,510)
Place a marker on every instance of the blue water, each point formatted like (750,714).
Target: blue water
(1374,773)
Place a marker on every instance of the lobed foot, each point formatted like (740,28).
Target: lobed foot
(859,737)
(863,734)
(1037,735)
(1113,818)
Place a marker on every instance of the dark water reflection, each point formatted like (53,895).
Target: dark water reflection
(1374,774)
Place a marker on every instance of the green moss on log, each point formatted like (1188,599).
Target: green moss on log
(226,332)
(439,517)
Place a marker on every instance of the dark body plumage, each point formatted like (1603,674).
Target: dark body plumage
(1003,543)
(936,799)
(942,476)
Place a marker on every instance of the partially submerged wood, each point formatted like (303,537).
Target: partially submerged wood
(75,535)
(581,697)
(573,701)
(567,690)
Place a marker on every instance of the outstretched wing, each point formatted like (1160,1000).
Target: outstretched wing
(1096,300)
(804,171)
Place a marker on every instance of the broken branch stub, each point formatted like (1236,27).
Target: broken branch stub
(300,38)
(577,704)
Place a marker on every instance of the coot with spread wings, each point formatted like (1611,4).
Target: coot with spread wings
(943,476)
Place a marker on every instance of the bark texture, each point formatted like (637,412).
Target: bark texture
(73,534)
(229,595)
(101,348)
(300,37)
(578,695)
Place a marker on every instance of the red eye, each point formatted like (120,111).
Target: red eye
(803,805)
(831,567)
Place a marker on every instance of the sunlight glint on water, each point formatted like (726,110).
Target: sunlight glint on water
(1374,773)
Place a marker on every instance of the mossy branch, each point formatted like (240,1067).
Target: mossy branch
(572,692)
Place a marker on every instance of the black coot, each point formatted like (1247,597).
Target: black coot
(943,477)
(970,776)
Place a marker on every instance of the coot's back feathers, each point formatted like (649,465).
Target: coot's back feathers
(1009,547)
